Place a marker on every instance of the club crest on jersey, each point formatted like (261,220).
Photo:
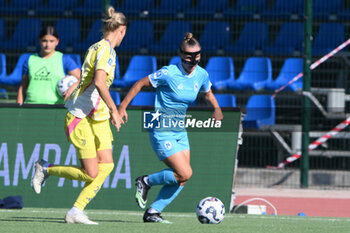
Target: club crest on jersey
(168,145)
(158,74)
(180,86)
(195,87)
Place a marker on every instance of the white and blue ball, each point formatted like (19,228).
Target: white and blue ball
(65,83)
(210,210)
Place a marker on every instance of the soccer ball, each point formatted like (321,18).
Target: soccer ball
(210,210)
(64,84)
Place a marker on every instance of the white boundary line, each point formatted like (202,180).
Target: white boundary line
(180,215)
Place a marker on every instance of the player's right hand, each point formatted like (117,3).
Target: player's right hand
(123,113)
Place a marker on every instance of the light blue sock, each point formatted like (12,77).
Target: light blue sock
(164,177)
(165,196)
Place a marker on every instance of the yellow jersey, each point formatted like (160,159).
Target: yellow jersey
(85,100)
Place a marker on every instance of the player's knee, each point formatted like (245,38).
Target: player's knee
(185,175)
(92,173)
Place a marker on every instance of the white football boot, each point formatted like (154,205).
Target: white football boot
(40,175)
(79,218)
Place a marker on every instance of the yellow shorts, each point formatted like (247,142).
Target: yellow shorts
(87,135)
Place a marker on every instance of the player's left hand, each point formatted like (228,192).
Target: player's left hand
(116,120)
(123,114)
(217,115)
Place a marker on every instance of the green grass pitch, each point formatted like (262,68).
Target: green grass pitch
(51,220)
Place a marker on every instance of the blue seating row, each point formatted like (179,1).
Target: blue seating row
(51,7)
(256,73)
(260,109)
(281,9)
(140,37)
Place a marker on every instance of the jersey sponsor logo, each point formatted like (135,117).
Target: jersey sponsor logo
(110,60)
(168,145)
(195,87)
(42,72)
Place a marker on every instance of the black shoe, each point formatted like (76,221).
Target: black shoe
(141,192)
(156,217)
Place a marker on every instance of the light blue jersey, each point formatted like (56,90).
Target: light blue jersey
(176,90)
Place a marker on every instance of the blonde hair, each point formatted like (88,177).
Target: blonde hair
(113,20)
(189,40)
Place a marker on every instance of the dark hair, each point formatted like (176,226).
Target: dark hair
(48,30)
(189,40)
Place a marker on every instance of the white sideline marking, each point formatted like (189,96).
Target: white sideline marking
(182,215)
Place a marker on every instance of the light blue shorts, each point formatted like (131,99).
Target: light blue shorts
(168,143)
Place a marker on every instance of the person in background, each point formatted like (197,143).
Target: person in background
(177,86)
(43,70)
(87,124)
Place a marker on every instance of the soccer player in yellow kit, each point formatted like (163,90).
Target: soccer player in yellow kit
(86,124)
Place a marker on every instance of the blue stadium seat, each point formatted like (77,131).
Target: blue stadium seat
(253,37)
(117,69)
(139,67)
(2,67)
(56,7)
(3,3)
(68,32)
(221,71)
(256,73)
(289,40)
(246,9)
(91,8)
(212,31)
(16,7)
(226,100)
(115,96)
(291,68)
(95,34)
(144,99)
(170,8)
(172,37)
(328,37)
(139,36)
(283,9)
(175,60)
(344,14)
(325,9)
(207,8)
(25,36)
(3,93)
(76,57)
(261,110)
(136,7)
(15,77)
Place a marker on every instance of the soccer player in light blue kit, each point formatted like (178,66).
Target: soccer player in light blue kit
(177,86)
